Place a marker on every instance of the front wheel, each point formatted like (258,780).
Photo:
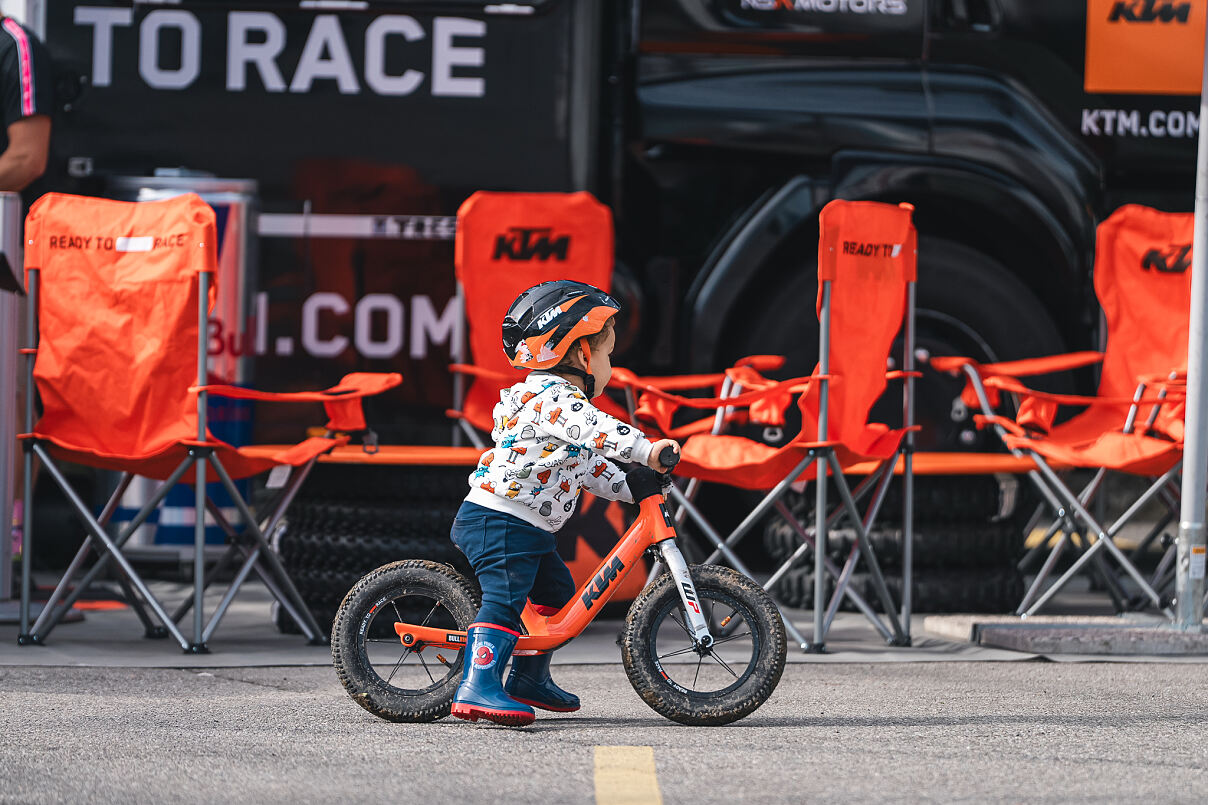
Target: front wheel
(704,686)
(382,675)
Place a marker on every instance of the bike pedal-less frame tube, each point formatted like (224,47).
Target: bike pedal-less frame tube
(652,527)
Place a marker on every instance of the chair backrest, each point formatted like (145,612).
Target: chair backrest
(118,319)
(1143,282)
(508,242)
(867,253)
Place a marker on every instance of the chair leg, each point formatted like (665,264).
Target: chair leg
(807,541)
(1105,537)
(736,563)
(215,569)
(151,630)
(308,625)
(198,646)
(77,562)
(874,567)
(112,550)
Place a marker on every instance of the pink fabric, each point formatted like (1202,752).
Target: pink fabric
(27,66)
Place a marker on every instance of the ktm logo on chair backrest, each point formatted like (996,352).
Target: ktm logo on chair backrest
(527,243)
(1174,260)
(1151,47)
(1149,11)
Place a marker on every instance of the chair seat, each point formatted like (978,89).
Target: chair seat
(240,462)
(748,464)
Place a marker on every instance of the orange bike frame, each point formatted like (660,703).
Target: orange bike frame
(652,527)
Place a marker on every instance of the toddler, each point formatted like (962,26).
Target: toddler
(550,442)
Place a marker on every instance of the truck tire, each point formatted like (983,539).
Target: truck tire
(980,590)
(348,520)
(939,545)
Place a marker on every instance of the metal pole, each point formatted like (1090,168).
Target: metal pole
(820,512)
(10,345)
(1192,549)
(199,488)
(27,458)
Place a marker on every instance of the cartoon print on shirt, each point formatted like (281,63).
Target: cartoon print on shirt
(601,442)
(545,454)
(509,444)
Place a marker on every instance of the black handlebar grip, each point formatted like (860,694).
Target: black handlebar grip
(669,457)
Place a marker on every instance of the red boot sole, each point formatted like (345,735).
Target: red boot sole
(507,718)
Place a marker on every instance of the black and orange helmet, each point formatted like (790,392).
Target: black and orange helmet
(546,320)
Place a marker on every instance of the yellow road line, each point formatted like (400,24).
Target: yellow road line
(625,775)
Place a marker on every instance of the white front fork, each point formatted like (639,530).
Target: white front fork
(687,590)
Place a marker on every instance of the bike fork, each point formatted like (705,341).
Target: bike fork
(678,568)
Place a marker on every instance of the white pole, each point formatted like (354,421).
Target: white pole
(1189,589)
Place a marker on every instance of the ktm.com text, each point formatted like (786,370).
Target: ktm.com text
(1135,123)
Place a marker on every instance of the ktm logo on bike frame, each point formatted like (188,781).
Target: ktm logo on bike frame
(1149,11)
(600,583)
(1174,260)
(527,243)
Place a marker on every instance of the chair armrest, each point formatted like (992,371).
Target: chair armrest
(1022,368)
(342,401)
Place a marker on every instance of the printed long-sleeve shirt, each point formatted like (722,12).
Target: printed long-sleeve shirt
(550,442)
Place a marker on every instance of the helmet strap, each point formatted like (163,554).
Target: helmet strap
(589,381)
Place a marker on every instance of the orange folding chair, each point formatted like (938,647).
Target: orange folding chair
(507,243)
(866,272)
(119,294)
(1134,423)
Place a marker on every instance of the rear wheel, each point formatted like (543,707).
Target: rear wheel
(704,686)
(382,675)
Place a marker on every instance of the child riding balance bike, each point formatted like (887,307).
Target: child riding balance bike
(701,645)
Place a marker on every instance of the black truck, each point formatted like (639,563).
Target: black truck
(714,129)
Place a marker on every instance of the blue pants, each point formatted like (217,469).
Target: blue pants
(513,561)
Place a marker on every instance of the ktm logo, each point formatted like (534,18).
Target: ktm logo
(1174,260)
(600,583)
(521,243)
(1149,11)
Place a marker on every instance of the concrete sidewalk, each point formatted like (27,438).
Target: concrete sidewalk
(248,638)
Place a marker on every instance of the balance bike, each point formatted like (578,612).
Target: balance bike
(702,645)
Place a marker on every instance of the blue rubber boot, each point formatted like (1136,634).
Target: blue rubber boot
(480,694)
(530,683)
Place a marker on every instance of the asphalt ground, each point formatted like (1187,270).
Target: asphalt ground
(891,732)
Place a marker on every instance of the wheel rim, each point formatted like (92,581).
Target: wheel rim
(718,670)
(405,670)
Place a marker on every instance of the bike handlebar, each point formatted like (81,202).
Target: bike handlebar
(669,457)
